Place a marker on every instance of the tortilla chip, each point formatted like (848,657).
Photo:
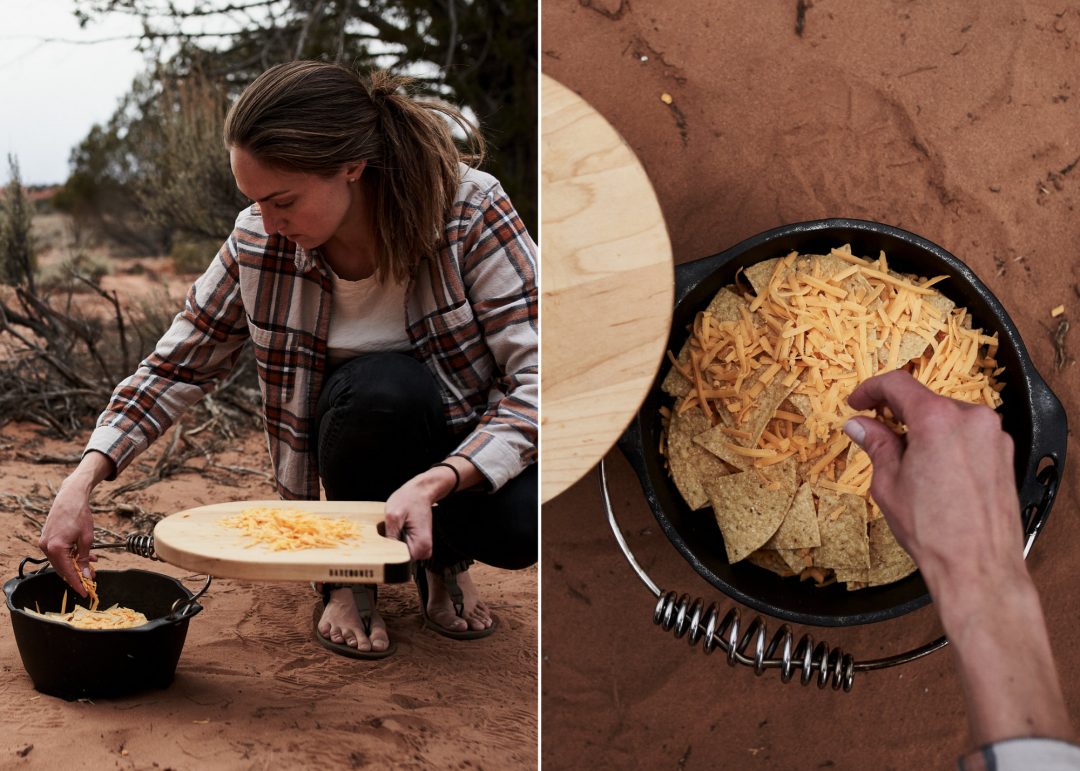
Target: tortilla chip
(888,560)
(771,561)
(844,543)
(714,439)
(762,410)
(760,273)
(747,513)
(675,383)
(799,530)
(691,464)
(724,307)
(861,575)
(940,303)
(912,346)
(801,402)
(854,586)
(793,559)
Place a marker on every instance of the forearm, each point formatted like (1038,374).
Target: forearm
(439,481)
(92,469)
(1002,651)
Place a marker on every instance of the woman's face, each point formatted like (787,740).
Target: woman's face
(305,208)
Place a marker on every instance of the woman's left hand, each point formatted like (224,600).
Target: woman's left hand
(408,517)
(408,510)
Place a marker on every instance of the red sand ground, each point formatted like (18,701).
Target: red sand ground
(955,121)
(273,697)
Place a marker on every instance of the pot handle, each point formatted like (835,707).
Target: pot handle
(32,560)
(1049,442)
(181,605)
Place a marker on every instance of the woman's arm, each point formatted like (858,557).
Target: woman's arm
(498,266)
(198,350)
(497,262)
(408,510)
(947,489)
(70,522)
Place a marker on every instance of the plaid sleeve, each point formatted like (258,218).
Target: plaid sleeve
(1029,754)
(199,349)
(498,266)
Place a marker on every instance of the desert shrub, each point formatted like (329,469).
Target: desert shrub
(61,276)
(194,256)
(150,317)
(17,259)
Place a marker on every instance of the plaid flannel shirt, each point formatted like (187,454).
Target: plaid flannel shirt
(472,316)
(1028,754)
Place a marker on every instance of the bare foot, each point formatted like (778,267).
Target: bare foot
(340,622)
(440,607)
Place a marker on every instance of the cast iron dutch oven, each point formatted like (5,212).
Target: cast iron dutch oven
(96,663)
(1031,414)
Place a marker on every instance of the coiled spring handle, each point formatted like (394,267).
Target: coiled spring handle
(681,616)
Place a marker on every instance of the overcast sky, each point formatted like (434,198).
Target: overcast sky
(52,93)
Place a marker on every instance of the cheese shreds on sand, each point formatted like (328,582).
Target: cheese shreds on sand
(772,372)
(292,529)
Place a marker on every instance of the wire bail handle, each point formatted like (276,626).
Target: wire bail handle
(682,617)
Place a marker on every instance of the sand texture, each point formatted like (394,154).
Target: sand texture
(253,689)
(958,122)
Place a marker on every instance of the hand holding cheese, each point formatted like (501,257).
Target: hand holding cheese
(948,493)
(947,487)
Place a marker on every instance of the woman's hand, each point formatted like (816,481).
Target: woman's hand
(947,490)
(408,510)
(946,486)
(70,522)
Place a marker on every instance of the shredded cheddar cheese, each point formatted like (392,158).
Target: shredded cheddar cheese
(292,529)
(91,618)
(822,330)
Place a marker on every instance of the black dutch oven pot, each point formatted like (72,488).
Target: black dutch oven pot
(1031,414)
(97,663)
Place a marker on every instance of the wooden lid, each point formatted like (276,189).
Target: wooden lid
(607,287)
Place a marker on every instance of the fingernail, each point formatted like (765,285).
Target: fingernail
(86,572)
(855,431)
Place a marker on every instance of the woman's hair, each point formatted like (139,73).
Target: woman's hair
(316,117)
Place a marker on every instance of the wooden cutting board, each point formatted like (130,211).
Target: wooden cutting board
(607,291)
(193,540)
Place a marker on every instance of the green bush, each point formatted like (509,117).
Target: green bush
(193,256)
(17,258)
(59,278)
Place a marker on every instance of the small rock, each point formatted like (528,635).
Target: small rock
(644,58)
(665,98)
(995,188)
(1059,26)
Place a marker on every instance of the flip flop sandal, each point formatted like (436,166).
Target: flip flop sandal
(456,596)
(360,597)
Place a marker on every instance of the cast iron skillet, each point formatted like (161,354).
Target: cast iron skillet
(1031,414)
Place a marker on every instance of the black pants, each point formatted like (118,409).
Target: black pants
(379,423)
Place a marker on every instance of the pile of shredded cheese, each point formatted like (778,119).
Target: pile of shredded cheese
(92,618)
(823,339)
(110,618)
(292,529)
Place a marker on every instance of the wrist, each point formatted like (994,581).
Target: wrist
(92,469)
(969,600)
(435,483)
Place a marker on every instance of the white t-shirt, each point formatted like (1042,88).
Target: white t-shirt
(365,317)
